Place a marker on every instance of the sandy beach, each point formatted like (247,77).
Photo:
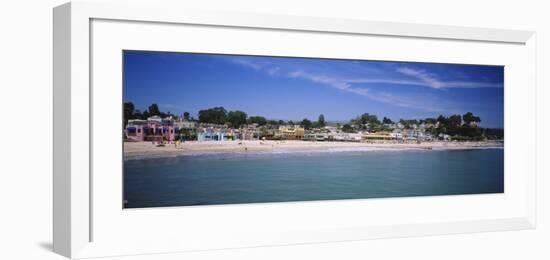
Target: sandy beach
(148,149)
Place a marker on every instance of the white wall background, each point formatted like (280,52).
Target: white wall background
(26,105)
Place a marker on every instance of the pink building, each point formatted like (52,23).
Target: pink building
(153,129)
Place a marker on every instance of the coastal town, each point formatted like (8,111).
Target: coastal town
(170,129)
(219,130)
(214,129)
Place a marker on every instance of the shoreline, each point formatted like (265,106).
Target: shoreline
(143,150)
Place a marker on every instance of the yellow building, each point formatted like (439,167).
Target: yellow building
(292,133)
(377,136)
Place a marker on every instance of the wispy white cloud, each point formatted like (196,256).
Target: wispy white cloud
(383,97)
(418,103)
(248,63)
(273,71)
(413,77)
(402,76)
(385,81)
(323,79)
(425,78)
(439,85)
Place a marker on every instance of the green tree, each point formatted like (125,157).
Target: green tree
(430,120)
(387,121)
(408,122)
(470,131)
(455,121)
(347,129)
(469,118)
(145,115)
(442,120)
(260,120)
(187,134)
(321,121)
(154,110)
(138,114)
(128,112)
(364,119)
(370,119)
(186,116)
(274,122)
(216,115)
(306,123)
(453,125)
(236,118)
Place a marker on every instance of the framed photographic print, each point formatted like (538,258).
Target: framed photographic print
(179,130)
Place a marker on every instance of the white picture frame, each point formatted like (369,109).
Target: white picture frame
(85,37)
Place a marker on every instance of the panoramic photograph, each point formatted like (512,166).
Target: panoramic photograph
(215,129)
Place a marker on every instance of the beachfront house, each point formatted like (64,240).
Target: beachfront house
(231,135)
(217,134)
(396,135)
(411,135)
(316,136)
(135,130)
(331,129)
(250,132)
(376,137)
(153,129)
(345,137)
(291,132)
(419,134)
(209,134)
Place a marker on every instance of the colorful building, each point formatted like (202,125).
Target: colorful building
(214,134)
(377,137)
(292,132)
(250,132)
(209,135)
(154,129)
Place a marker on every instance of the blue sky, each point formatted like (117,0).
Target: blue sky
(297,88)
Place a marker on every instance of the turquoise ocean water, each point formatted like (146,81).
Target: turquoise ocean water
(306,176)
